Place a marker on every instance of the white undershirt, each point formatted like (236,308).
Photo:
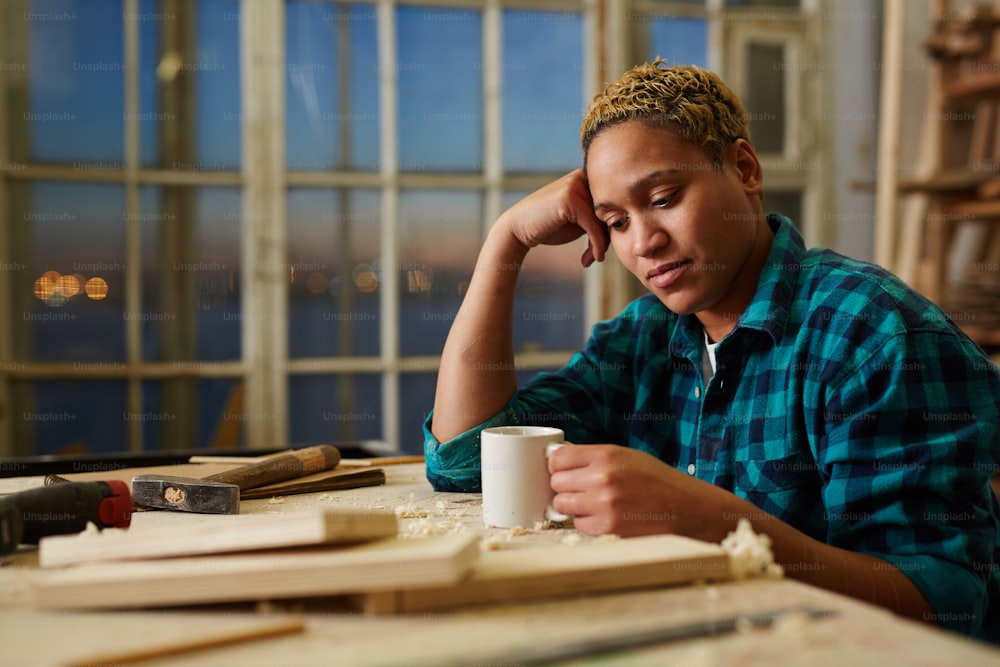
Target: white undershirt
(708,364)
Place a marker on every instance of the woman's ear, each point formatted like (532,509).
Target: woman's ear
(747,166)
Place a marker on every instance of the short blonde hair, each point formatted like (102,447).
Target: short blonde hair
(691,101)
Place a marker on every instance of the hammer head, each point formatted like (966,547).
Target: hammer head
(185,494)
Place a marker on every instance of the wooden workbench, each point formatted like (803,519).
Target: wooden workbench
(857,635)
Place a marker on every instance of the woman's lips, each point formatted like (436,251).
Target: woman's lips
(665,274)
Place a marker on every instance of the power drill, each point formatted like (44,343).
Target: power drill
(28,516)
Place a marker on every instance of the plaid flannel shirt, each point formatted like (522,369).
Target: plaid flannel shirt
(844,404)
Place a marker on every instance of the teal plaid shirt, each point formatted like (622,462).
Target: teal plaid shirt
(844,404)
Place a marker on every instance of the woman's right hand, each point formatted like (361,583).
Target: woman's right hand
(558,213)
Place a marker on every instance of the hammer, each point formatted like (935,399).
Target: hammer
(220,493)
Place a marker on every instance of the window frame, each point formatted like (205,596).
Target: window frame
(265,367)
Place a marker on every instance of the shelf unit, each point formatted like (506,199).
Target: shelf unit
(961,193)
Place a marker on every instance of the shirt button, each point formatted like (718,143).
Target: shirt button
(690,468)
(697,392)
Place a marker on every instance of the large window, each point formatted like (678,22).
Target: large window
(252,223)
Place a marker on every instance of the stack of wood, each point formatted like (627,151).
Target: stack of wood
(357,555)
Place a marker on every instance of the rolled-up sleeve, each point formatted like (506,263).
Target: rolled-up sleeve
(909,461)
(453,465)
(579,398)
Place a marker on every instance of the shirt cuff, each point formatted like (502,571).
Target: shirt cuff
(454,465)
(958,598)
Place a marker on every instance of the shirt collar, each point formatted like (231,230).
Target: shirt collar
(768,310)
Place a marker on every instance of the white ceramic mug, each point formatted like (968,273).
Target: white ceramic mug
(515,474)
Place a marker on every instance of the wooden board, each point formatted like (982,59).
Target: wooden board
(217,534)
(559,570)
(390,563)
(331,480)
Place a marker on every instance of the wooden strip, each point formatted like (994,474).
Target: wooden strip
(557,570)
(386,564)
(217,534)
(333,480)
(234,460)
(380,461)
(218,638)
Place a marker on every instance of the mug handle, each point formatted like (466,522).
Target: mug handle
(550,513)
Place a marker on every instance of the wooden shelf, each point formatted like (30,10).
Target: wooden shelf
(952,180)
(982,210)
(974,89)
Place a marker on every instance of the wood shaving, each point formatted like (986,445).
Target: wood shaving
(93,530)
(792,624)
(276,500)
(750,554)
(493,542)
(411,511)
(427,527)
(609,537)
(572,539)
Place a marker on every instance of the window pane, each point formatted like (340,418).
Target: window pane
(548,310)
(190,286)
(416,398)
(438,243)
(69,417)
(335,408)
(331,91)
(786,202)
(217,92)
(765,96)
(679,41)
(189,92)
(188,413)
(75,82)
(333,243)
(440,89)
(68,246)
(542,68)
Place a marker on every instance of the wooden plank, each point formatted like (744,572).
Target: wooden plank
(891,85)
(218,534)
(391,563)
(560,570)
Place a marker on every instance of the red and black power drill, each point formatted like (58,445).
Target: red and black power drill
(28,516)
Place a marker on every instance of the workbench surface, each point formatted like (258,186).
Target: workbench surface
(857,635)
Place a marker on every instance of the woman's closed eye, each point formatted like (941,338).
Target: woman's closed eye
(662,201)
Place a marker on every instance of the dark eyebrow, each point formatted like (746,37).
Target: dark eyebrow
(641,184)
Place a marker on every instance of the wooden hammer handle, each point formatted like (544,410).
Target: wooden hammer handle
(280,467)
